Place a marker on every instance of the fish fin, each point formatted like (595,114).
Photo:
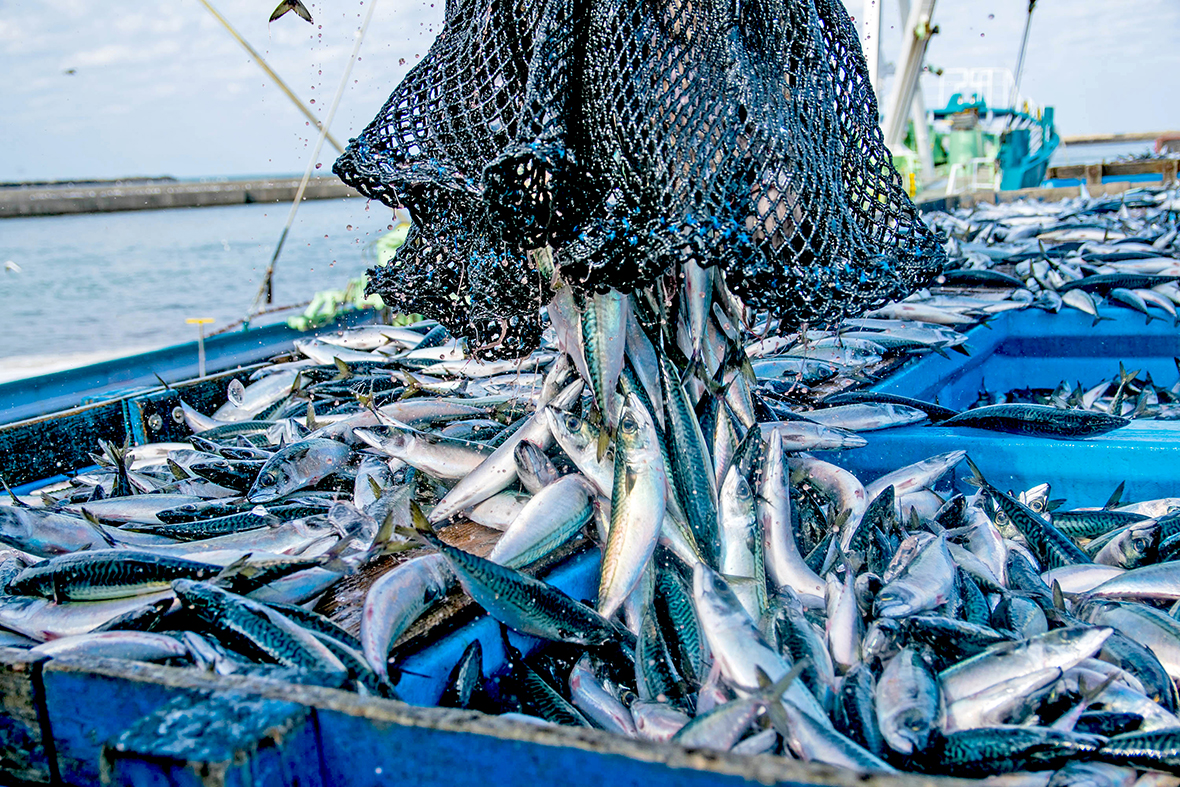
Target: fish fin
(976,478)
(835,553)
(178,472)
(331,557)
(16,501)
(91,520)
(422,529)
(1089,695)
(774,691)
(915,521)
(605,437)
(629,480)
(233,569)
(962,348)
(1115,497)
(343,372)
(291,5)
(1058,596)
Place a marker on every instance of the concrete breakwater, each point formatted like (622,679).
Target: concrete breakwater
(52,199)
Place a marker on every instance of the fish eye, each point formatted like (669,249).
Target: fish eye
(572,422)
(629,424)
(268,477)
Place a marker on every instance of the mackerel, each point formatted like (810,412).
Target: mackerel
(547,520)
(498,471)
(738,647)
(1057,649)
(916,476)
(1038,420)
(296,467)
(809,436)
(637,506)
(695,486)
(42,620)
(604,332)
(104,574)
(867,416)
(741,554)
(522,602)
(784,564)
(396,600)
(256,627)
(438,457)
(127,645)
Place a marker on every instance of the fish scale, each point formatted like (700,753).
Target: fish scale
(1052,547)
(249,623)
(973,753)
(604,325)
(694,483)
(524,603)
(1091,524)
(105,574)
(1156,749)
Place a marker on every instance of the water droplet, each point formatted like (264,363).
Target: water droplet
(236,393)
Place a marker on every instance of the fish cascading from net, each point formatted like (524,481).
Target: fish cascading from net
(630,138)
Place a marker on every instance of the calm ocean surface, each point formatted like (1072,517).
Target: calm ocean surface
(102,285)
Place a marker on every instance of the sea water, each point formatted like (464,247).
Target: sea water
(101,285)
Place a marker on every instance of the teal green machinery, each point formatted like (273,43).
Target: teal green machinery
(1020,143)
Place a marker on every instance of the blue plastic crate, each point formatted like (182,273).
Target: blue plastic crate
(1036,349)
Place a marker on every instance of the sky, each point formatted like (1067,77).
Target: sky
(127,87)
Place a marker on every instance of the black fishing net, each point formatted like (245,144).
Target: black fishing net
(631,137)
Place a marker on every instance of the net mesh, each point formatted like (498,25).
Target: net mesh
(631,137)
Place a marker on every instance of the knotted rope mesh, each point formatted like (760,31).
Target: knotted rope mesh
(631,137)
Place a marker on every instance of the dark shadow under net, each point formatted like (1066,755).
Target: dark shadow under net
(630,138)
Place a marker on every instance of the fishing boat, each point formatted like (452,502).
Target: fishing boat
(319,734)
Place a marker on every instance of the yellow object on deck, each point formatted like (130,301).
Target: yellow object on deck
(200,322)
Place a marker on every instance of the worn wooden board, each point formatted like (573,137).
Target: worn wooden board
(23,752)
(369,741)
(1094,173)
(232,739)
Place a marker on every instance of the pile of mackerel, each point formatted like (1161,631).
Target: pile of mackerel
(753,597)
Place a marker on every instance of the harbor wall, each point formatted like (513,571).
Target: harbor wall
(154,194)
